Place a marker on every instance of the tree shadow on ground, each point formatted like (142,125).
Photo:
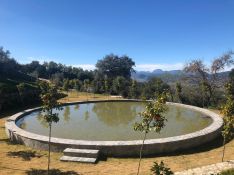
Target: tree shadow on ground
(51,172)
(25,155)
(4,140)
(10,142)
(10,168)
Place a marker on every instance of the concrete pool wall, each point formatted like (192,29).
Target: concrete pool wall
(117,148)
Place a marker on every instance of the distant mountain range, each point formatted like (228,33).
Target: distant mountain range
(171,76)
(143,76)
(172,72)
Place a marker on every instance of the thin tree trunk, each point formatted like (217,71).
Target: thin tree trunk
(203,98)
(67,96)
(139,164)
(203,103)
(48,170)
(172,98)
(224,142)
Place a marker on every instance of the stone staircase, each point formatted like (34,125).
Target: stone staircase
(80,155)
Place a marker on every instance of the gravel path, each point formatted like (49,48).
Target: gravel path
(209,169)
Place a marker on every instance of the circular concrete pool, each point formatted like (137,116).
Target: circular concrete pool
(108,126)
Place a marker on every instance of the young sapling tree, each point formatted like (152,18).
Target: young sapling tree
(49,97)
(152,119)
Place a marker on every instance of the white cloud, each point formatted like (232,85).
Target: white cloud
(141,67)
(138,67)
(228,68)
(151,67)
(86,66)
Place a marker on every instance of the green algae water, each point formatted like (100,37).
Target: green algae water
(112,121)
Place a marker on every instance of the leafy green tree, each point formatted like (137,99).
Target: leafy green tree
(153,119)
(28,94)
(205,87)
(53,71)
(228,112)
(113,66)
(86,86)
(154,87)
(8,65)
(58,79)
(77,86)
(22,91)
(133,89)
(106,85)
(35,69)
(179,92)
(120,85)
(52,68)
(66,85)
(98,82)
(49,98)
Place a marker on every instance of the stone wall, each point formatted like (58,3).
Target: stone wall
(118,148)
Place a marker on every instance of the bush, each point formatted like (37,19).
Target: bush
(227,172)
(161,169)
(14,94)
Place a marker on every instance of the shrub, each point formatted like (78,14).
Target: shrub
(161,169)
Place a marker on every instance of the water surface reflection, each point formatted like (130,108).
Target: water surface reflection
(111,121)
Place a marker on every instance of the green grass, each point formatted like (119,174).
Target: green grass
(10,85)
(227,172)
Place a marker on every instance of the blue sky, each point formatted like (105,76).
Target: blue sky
(155,34)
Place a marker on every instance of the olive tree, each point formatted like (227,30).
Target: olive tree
(49,96)
(200,71)
(208,78)
(152,119)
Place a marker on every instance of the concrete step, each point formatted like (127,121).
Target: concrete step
(89,153)
(78,159)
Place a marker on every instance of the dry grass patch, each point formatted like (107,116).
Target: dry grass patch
(73,96)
